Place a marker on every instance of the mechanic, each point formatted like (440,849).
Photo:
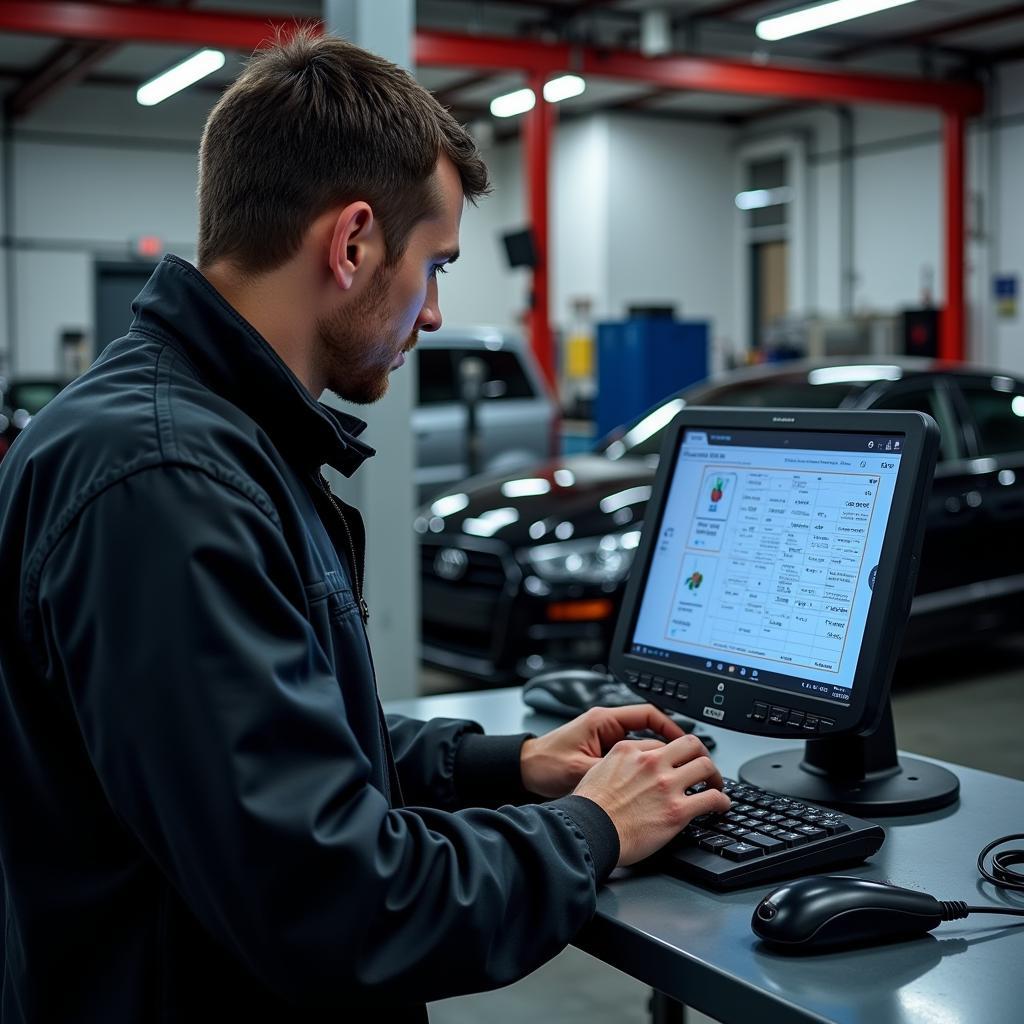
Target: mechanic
(205,811)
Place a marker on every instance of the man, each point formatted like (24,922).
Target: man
(204,809)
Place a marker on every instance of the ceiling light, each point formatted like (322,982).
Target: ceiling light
(563,88)
(181,76)
(807,19)
(512,103)
(759,198)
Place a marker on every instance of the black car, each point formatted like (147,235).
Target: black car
(20,400)
(524,572)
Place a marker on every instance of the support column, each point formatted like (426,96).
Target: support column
(383,489)
(537,133)
(951,342)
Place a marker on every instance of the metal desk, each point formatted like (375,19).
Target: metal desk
(696,946)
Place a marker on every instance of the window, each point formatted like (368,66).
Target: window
(504,377)
(437,376)
(926,399)
(998,415)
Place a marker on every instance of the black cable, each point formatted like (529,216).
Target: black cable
(1003,875)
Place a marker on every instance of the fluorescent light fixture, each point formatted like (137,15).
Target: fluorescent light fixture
(512,103)
(563,88)
(759,198)
(807,19)
(853,374)
(181,76)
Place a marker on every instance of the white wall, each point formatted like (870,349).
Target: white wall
(899,214)
(670,196)
(87,184)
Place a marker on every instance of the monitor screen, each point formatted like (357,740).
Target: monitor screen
(766,554)
(776,567)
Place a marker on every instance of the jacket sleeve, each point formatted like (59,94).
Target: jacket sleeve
(449,763)
(173,613)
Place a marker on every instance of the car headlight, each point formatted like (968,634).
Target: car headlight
(588,560)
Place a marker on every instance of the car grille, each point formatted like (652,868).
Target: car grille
(464,614)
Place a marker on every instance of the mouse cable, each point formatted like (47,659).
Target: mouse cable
(1003,875)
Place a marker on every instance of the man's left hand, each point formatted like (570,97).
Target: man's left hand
(553,764)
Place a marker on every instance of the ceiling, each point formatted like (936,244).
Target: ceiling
(938,38)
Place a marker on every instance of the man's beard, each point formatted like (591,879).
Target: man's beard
(355,346)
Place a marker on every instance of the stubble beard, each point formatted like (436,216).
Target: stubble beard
(355,349)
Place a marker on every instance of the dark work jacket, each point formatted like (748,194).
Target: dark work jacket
(203,812)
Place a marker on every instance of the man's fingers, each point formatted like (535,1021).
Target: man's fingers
(635,717)
(710,801)
(684,749)
(701,769)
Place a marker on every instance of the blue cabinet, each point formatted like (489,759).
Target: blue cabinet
(642,360)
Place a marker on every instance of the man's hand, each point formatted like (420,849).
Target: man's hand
(554,763)
(641,785)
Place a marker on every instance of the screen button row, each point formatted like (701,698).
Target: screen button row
(776,715)
(658,684)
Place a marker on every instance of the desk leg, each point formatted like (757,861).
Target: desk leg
(665,1010)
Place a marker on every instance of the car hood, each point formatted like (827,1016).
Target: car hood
(575,496)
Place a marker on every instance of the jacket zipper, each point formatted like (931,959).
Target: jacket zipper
(364,611)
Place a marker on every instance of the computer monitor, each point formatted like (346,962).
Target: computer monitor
(771,587)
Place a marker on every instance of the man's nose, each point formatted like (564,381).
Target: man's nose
(430,315)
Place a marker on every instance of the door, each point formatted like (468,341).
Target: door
(769,287)
(117,284)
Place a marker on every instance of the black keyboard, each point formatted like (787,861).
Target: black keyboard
(764,836)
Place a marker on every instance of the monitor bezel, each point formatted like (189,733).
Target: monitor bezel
(890,604)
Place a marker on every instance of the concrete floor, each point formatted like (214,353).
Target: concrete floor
(964,706)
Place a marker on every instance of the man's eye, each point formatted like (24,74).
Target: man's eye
(438,269)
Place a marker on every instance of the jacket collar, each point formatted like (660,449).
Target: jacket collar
(179,304)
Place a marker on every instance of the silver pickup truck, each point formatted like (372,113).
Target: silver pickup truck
(517,418)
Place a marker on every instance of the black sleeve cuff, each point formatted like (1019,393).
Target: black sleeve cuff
(597,828)
(488,772)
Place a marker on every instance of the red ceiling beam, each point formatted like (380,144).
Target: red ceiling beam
(127,22)
(705,74)
(135,23)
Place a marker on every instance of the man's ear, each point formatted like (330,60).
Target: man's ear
(354,243)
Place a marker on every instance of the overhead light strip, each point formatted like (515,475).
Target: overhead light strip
(519,102)
(181,76)
(808,19)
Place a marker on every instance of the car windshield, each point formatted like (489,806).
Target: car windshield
(642,437)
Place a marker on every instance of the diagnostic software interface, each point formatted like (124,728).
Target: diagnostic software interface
(766,556)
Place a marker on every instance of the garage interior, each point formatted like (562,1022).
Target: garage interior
(849,195)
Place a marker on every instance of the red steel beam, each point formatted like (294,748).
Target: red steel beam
(951,341)
(133,22)
(136,23)
(706,74)
(537,134)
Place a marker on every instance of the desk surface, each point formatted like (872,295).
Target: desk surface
(697,946)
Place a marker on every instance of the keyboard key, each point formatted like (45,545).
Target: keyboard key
(715,842)
(766,843)
(811,832)
(791,838)
(741,851)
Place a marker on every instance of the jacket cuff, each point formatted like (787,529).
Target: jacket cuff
(597,828)
(488,771)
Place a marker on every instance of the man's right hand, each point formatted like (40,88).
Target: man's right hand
(641,785)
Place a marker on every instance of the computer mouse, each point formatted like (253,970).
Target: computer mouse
(568,692)
(826,911)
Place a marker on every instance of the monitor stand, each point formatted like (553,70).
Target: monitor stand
(862,775)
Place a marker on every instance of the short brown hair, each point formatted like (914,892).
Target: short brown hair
(315,121)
